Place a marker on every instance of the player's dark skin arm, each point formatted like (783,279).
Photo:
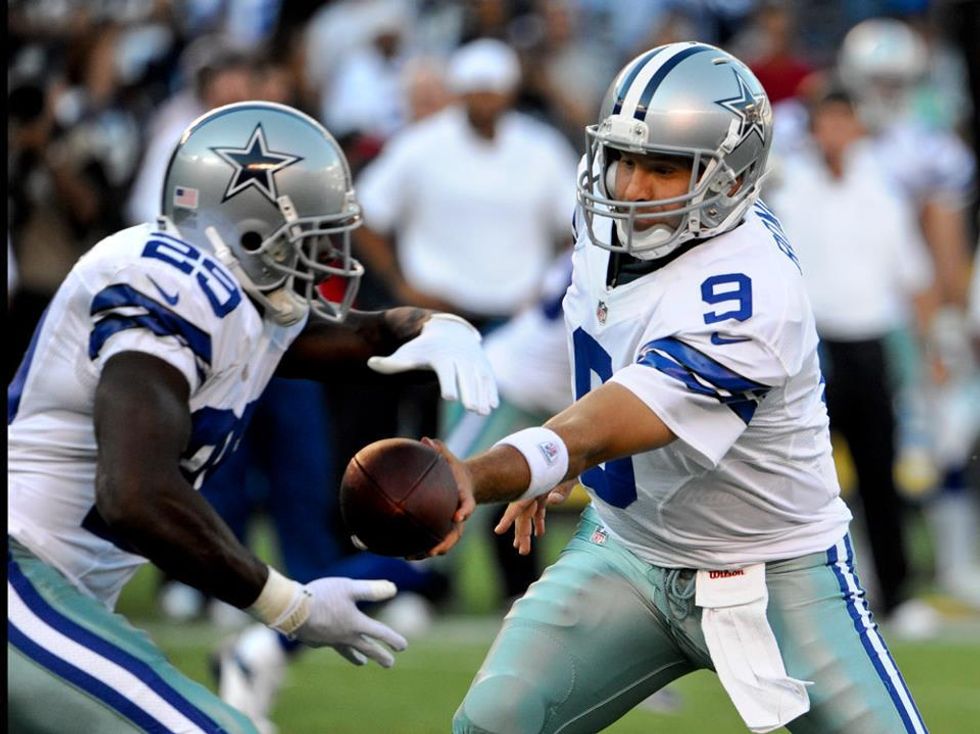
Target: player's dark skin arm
(324,347)
(142,426)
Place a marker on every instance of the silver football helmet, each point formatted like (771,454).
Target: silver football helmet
(880,61)
(685,99)
(268,190)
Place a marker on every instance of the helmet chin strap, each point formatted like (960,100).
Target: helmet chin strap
(652,241)
(282,305)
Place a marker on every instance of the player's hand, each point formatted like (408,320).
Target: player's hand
(336,621)
(464,484)
(450,346)
(527,516)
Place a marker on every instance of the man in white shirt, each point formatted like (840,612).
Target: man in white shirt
(467,207)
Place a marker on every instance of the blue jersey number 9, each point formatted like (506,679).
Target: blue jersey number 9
(734,288)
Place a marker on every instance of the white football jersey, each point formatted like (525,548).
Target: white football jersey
(143,290)
(719,343)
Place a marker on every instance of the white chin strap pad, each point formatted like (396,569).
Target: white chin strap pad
(652,242)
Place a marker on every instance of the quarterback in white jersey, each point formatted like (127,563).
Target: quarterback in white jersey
(716,537)
(141,379)
(719,343)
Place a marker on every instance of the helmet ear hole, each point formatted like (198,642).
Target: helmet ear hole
(611,178)
(251,241)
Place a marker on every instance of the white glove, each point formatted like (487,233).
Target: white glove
(336,621)
(450,346)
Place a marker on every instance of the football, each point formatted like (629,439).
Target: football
(398,498)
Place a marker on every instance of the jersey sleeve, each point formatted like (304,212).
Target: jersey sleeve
(706,384)
(158,310)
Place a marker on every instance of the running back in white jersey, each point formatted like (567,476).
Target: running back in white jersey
(143,290)
(720,343)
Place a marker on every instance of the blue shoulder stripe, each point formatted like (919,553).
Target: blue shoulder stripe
(703,375)
(158,319)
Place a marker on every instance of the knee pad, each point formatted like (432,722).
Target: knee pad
(501,704)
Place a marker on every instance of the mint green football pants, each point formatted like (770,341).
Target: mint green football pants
(602,630)
(74,666)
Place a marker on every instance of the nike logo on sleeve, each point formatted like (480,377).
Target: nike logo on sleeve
(718,339)
(171,300)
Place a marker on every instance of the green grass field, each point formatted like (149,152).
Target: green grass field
(324,693)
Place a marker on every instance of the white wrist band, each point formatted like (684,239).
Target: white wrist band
(546,456)
(283,604)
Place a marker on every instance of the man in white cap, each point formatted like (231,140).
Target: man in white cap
(477,196)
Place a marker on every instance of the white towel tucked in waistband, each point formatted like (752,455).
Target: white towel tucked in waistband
(744,650)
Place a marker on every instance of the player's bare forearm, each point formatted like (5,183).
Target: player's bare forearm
(607,423)
(945,228)
(325,346)
(142,423)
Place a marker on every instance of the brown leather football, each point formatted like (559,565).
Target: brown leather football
(398,498)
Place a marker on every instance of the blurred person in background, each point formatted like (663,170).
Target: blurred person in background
(73,147)
(889,66)
(466,209)
(565,66)
(366,93)
(867,272)
(770,45)
(215,74)
(437,231)
(882,63)
(337,32)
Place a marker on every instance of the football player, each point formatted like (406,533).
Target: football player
(140,380)
(715,537)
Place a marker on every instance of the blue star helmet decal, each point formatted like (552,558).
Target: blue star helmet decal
(255,166)
(747,107)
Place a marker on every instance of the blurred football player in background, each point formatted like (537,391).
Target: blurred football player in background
(886,64)
(823,199)
(141,379)
(716,536)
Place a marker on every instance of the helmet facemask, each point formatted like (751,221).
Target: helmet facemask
(713,202)
(287,270)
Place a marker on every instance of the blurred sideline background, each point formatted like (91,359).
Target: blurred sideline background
(99,90)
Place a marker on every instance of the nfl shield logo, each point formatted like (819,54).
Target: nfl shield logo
(601,312)
(599,536)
